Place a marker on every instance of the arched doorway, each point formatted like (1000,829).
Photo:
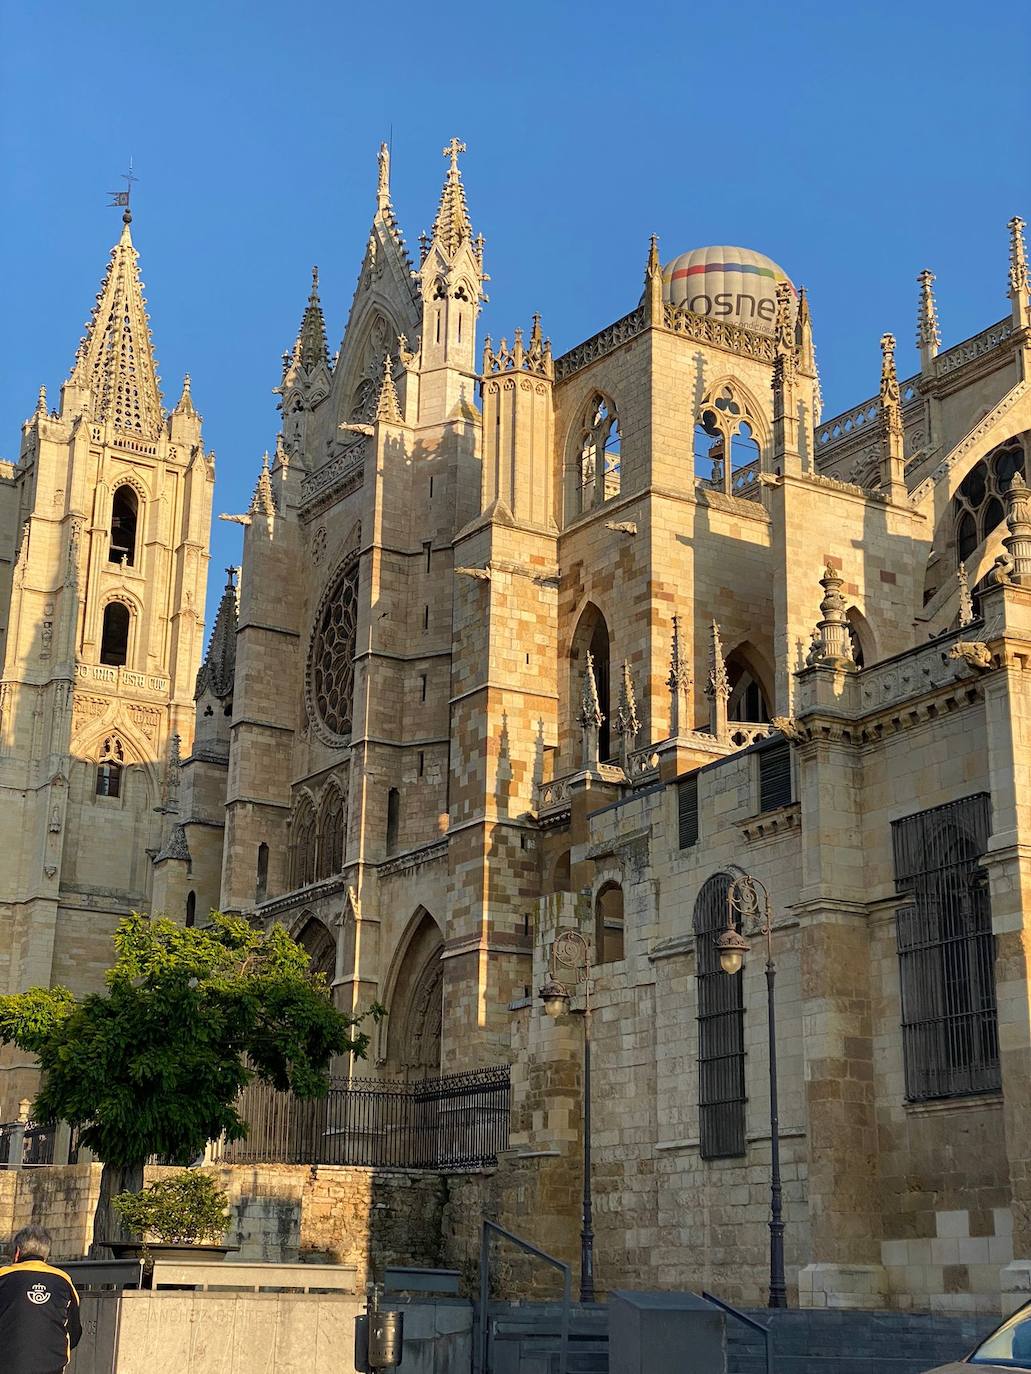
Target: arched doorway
(415,1002)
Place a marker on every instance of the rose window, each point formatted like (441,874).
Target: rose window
(331,661)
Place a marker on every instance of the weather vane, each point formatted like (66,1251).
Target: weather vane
(124,198)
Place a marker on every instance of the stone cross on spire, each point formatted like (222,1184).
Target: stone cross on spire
(928,335)
(452,227)
(311,347)
(893,476)
(1019,285)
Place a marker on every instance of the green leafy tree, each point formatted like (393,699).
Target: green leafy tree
(154,1065)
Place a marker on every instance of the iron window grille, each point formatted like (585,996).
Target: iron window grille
(687,811)
(775,776)
(946,951)
(721,1030)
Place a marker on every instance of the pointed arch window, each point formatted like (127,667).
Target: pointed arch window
(727,456)
(125,507)
(261,874)
(110,766)
(393,818)
(977,507)
(191,908)
(721,1030)
(331,834)
(114,639)
(302,858)
(600,453)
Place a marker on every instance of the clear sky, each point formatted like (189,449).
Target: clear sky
(853,143)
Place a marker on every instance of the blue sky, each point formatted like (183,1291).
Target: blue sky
(853,143)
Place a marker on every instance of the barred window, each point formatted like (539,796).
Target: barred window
(946,951)
(721,1030)
(775,776)
(687,810)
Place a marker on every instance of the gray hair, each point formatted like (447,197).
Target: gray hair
(32,1242)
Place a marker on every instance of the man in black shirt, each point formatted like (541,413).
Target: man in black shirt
(39,1309)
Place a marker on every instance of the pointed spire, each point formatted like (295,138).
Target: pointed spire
(893,480)
(678,682)
(263,502)
(383,179)
(184,405)
(311,347)
(388,407)
(653,300)
(928,335)
(966,601)
(717,689)
(218,669)
(451,228)
(41,402)
(1019,285)
(115,357)
(590,714)
(627,722)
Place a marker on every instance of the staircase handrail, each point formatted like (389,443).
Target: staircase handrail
(492,1228)
(748,1321)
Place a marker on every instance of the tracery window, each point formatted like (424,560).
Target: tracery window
(302,845)
(721,1030)
(331,656)
(363,402)
(726,451)
(946,951)
(600,454)
(109,768)
(977,506)
(331,834)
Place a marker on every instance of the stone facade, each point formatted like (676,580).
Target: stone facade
(525,642)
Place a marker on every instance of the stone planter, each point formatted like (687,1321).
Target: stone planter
(164,1250)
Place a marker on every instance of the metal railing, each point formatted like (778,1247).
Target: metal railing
(748,1321)
(26,1143)
(490,1229)
(457,1122)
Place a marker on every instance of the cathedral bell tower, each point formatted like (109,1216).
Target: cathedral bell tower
(106,516)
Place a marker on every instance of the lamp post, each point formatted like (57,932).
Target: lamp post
(572,951)
(748,899)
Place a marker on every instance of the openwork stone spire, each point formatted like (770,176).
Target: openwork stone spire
(717,689)
(388,407)
(590,714)
(928,335)
(627,722)
(115,357)
(966,601)
(219,667)
(1017,542)
(678,682)
(311,347)
(832,644)
(263,502)
(452,227)
(892,458)
(1019,284)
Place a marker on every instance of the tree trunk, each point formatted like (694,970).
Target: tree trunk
(107,1223)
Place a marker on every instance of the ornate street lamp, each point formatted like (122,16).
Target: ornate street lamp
(748,899)
(572,951)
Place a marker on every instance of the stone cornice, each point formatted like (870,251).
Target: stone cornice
(431,853)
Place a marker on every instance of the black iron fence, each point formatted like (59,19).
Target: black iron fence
(26,1143)
(457,1122)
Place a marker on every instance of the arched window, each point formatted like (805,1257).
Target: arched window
(560,874)
(608,923)
(600,453)
(191,908)
(109,768)
(721,1030)
(724,431)
(261,875)
(331,834)
(393,818)
(124,512)
(114,640)
(747,700)
(599,647)
(330,677)
(302,866)
(977,506)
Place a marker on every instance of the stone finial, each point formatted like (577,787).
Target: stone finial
(452,228)
(653,283)
(928,335)
(784,328)
(966,601)
(832,644)
(383,178)
(627,721)
(184,405)
(893,479)
(41,403)
(1017,542)
(263,502)
(388,407)
(804,335)
(717,689)
(678,681)
(590,715)
(1019,285)
(173,772)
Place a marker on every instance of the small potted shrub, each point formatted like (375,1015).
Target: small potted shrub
(183,1216)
